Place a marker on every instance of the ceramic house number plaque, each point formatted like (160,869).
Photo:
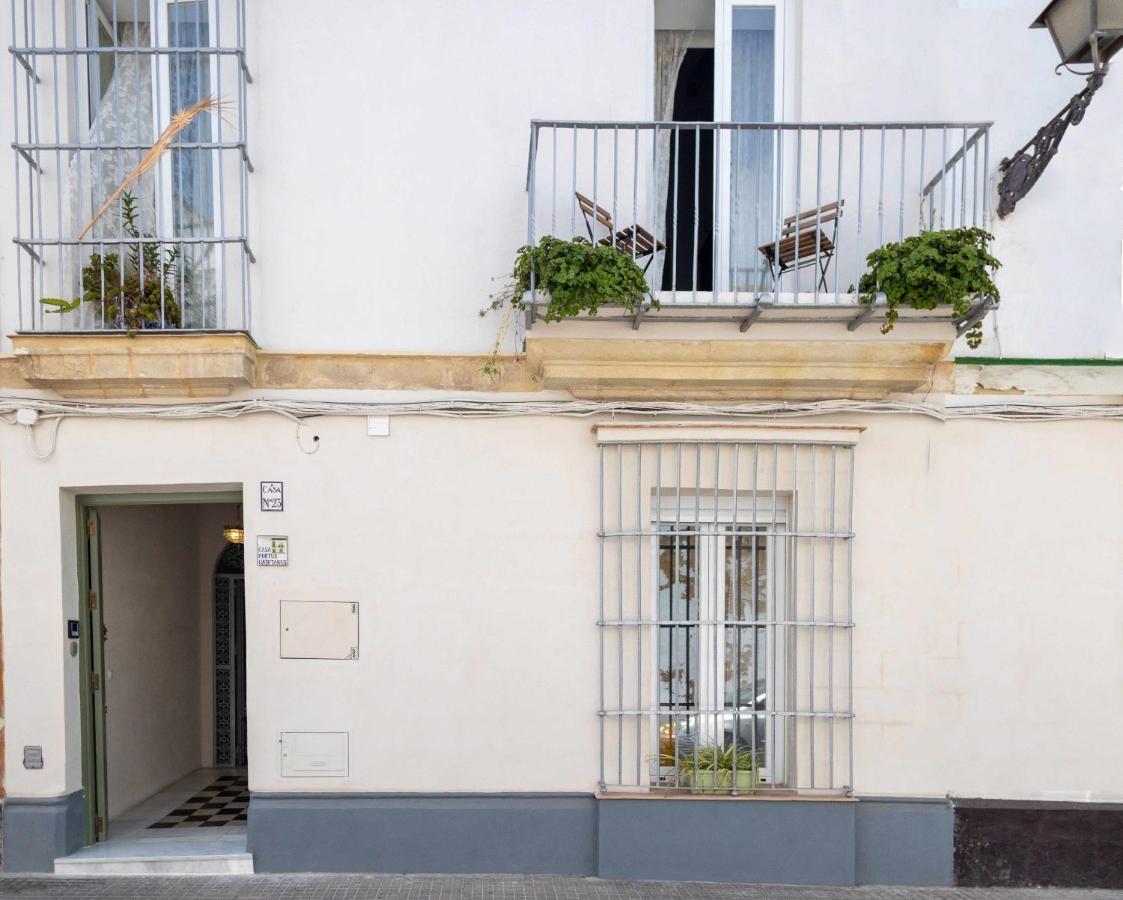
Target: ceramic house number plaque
(272,550)
(272,496)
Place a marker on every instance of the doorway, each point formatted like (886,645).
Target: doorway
(230,657)
(162,644)
(690,188)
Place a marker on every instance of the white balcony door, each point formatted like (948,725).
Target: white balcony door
(749,86)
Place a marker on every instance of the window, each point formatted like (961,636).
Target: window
(752,167)
(749,43)
(171,250)
(189,179)
(719,582)
(725,612)
(101,65)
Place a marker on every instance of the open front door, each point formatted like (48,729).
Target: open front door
(92,631)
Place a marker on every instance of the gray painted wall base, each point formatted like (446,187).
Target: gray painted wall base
(781,841)
(773,842)
(520,834)
(37,830)
(904,841)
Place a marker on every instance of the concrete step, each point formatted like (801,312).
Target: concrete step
(156,864)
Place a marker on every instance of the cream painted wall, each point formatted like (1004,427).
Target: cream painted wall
(988,642)
(150,597)
(390,143)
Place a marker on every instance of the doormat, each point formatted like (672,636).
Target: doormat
(223,803)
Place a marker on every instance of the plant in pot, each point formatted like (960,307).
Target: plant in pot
(951,267)
(577,276)
(138,291)
(710,769)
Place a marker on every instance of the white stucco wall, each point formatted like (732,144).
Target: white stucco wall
(150,604)
(394,155)
(987,646)
(390,143)
(976,60)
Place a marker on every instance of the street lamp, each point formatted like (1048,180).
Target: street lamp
(1085,32)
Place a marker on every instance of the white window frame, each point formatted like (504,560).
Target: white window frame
(723,55)
(769,515)
(93,83)
(723,112)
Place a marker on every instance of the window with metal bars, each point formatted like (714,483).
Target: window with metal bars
(131,164)
(725,625)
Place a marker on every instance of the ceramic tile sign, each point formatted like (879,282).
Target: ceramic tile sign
(272,550)
(272,496)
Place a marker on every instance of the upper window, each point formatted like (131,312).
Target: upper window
(145,134)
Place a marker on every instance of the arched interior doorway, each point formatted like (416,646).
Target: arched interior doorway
(230,657)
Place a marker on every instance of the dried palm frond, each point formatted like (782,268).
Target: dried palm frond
(164,142)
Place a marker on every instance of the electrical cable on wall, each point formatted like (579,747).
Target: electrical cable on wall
(300,410)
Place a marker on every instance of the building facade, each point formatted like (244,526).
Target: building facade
(304,558)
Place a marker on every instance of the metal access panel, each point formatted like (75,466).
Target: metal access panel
(315,754)
(319,629)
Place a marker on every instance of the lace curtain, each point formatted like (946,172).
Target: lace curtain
(670,50)
(123,116)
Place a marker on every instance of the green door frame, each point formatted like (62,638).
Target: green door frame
(91,639)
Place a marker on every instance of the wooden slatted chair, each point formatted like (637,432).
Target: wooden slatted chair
(804,241)
(635,240)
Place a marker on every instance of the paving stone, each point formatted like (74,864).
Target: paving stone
(451,887)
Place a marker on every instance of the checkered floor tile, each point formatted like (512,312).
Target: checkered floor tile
(223,803)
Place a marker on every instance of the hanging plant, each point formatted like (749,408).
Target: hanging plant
(576,275)
(952,268)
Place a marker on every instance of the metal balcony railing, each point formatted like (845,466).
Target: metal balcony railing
(742,220)
(96,84)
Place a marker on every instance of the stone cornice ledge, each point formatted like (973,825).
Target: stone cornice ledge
(137,365)
(738,369)
(188,365)
(391,372)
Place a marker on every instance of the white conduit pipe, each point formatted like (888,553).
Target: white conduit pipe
(298,410)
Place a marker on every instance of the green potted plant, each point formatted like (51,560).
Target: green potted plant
(577,276)
(709,769)
(135,292)
(951,267)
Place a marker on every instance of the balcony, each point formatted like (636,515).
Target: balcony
(703,207)
(763,227)
(131,192)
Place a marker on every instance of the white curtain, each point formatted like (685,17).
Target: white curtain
(123,116)
(752,154)
(670,50)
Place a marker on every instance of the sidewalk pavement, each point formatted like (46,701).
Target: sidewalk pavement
(479,887)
